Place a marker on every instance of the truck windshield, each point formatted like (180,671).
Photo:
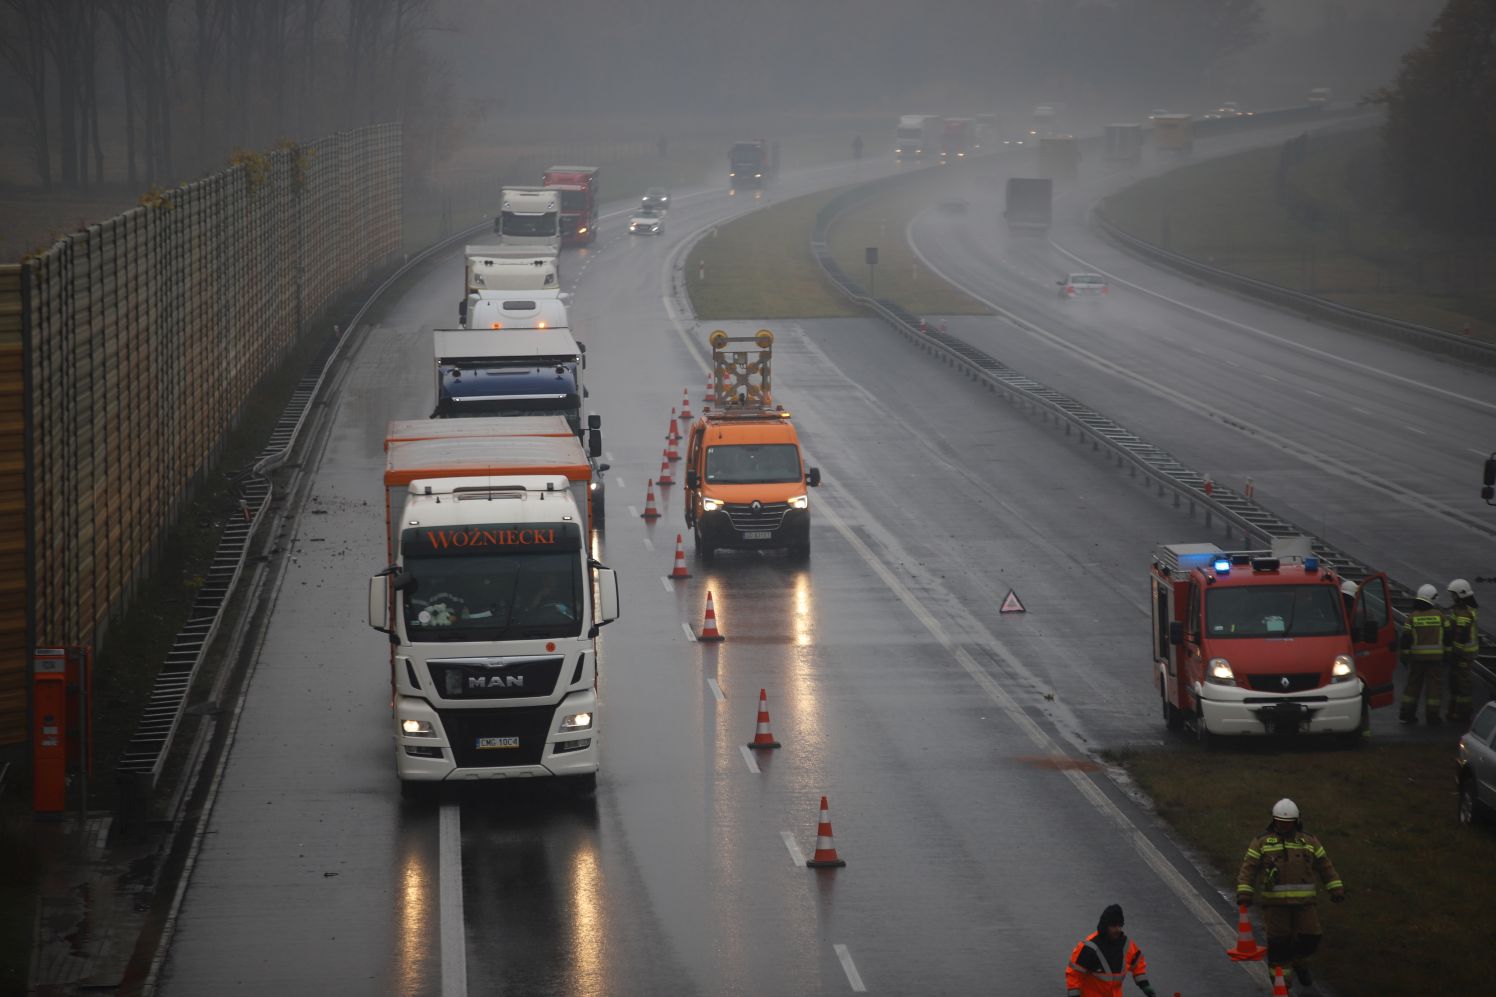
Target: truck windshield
(752,464)
(1274,611)
(573,200)
(526,225)
(913,133)
(493,597)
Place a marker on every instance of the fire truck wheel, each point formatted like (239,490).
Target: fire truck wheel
(1173,715)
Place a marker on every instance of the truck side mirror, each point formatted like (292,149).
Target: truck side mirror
(594,421)
(1176,633)
(693,480)
(813,477)
(379,603)
(607,596)
(1489,491)
(594,443)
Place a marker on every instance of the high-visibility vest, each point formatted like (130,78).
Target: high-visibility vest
(1423,634)
(1083,982)
(1464,625)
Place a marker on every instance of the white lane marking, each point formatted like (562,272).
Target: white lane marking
(689,635)
(449,879)
(1335,358)
(665,581)
(1171,877)
(1357,408)
(748,757)
(717,693)
(608,456)
(1323,462)
(649,544)
(618,482)
(850,968)
(796,855)
(633,511)
(1479,453)
(1415,429)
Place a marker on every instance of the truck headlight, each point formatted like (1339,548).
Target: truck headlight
(417,728)
(1344,669)
(576,721)
(1218,672)
(710,504)
(800,502)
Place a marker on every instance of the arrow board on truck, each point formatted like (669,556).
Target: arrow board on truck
(1011,603)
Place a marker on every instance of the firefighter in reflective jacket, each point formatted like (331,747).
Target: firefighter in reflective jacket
(1287,860)
(1102,960)
(1421,648)
(1464,646)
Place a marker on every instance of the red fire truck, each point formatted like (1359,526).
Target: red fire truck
(579,200)
(1266,642)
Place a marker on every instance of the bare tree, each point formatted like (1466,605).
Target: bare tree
(22,41)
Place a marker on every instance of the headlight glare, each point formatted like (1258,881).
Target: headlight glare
(1219,672)
(1343,670)
(800,502)
(710,504)
(576,721)
(417,728)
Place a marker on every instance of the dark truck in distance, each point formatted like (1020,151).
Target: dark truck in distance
(748,164)
(1027,204)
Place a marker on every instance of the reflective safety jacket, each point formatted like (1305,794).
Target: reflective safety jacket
(1464,631)
(1423,634)
(1090,974)
(1288,867)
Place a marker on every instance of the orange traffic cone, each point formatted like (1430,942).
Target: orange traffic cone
(1247,949)
(679,571)
(762,738)
(1209,487)
(650,512)
(685,404)
(1280,989)
(710,398)
(674,433)
(825,856)
(709,629)
(665,478)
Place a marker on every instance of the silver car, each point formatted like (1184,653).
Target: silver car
(1477,767)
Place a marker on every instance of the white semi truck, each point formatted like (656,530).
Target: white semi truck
(529,216)
(918,136)
(491,603)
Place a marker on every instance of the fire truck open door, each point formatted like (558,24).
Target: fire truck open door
(1374,636)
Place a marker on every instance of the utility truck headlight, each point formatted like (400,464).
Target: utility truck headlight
(710,504)
(576,721)
(800,502)
(417,728)
(1344,670)
(1219,672)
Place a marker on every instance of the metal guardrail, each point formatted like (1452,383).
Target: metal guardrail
(1312,305)
(150,745)
(1155,466)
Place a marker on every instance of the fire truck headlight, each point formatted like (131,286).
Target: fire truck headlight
(576,721)
(1219,672)
(582,230)
(710,504)
(1344,670)
(417,728)
(800,502)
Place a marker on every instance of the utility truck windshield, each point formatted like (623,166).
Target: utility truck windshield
(1274,611)
(536,225)
(492,582)
(752,464)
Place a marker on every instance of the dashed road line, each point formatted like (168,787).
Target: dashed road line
(850,968)
(796,855)
(749,759)
(689,635)
(717,693)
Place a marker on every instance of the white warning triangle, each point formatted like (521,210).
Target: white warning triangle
(1011,603)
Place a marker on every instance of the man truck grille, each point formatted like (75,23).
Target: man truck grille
(520,732)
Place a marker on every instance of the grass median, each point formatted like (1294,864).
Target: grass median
(1417,882)
(760,266)
(1325,222)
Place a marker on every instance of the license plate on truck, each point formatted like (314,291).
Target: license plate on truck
(758,535)
(497,742)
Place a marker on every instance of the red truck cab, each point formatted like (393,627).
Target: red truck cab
(1254,643)
(579,199)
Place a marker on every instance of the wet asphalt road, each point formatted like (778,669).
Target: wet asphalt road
(931,721)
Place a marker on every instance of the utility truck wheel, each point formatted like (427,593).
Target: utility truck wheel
(704,549)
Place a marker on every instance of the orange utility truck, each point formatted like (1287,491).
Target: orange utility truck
(1266,642)
(747,485)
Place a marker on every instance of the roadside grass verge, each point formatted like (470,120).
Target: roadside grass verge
(760,265)
(1418,884)
(1330,228)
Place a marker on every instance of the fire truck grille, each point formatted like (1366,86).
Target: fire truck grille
(769,516)
(525,728)
(1296,682)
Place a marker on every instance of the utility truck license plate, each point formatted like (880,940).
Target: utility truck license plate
(757,535)
(497,742)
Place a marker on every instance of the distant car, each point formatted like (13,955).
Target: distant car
(1157,112)
(1476,765)
(1082,285)
(655,197)
(647,221)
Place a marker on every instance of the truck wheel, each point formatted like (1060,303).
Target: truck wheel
(704,549)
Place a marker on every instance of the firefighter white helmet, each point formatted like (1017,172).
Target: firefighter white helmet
(1460,589)
(1285,809)
(1428,593)
(1349,588)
